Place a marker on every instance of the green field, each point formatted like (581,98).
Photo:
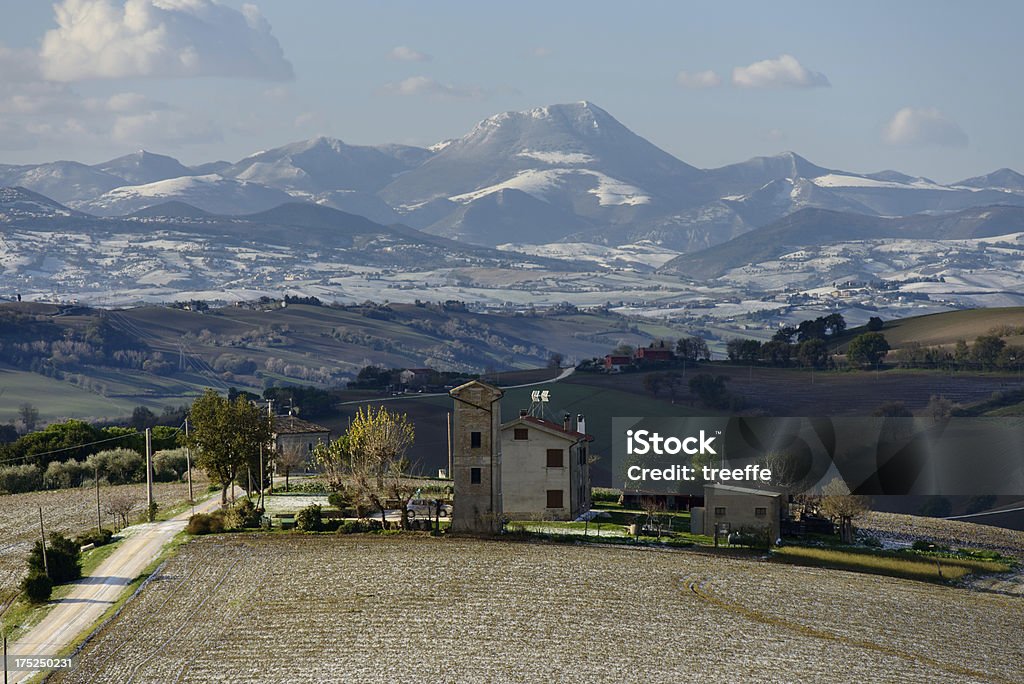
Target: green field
(946,328)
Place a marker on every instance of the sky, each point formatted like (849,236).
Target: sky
(927,88)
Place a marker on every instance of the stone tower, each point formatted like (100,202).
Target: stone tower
(476,458)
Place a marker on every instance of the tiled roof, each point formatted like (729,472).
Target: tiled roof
(550,425)
(290,425)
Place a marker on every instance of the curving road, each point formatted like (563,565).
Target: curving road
(91,596)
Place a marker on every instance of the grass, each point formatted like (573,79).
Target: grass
(894,564)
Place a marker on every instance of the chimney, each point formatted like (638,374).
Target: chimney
(581,424)
(523,413)
(566,419)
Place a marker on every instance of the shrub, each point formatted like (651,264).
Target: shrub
(873,542)
(248,514)
(64,474)
(353,527)
(338,500)
(20,478)
(37,587)
(605,495)
(205,523)
(121,466)
(169,465)
(63,559)
(925,545)
(94,537)
(309,519)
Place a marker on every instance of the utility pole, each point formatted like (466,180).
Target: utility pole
(259,499)
(188,466)
(99,517)
(42,539)
(450,474)
(149,472)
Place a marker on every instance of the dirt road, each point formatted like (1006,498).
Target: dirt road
(91,596)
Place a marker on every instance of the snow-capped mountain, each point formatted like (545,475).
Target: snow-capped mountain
(144,167)
(564,172)
(63,181)
(326,164)
(210,193)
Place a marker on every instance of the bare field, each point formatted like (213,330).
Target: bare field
(295,608)
(68,511)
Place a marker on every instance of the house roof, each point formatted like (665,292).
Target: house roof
(290,425)
(550,426)
(733,489)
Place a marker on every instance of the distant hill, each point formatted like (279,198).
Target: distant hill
(817,227)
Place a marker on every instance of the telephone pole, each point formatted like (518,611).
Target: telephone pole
(99,517)
(42,539)
(149,473)
(188,465)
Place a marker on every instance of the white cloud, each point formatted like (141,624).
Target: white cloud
(423,85)
(160,38)
(698,79)
(403,53)
(164,127)
(782,72)
(914,127)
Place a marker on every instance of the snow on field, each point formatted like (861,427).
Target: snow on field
(645,253)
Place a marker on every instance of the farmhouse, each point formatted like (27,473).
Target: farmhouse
(545,469)
(654,353)
(728,508)
(615,362)
(292,434)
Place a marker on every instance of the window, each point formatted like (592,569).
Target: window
(554,498)
(474,475)
(719,510)
(761,511)
(555,458)
(474,440)
(520,434)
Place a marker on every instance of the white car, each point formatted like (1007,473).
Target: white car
(424,508)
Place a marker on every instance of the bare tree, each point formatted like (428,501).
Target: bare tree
(120,504)
(290,457)
(653,507)
(28,415)
(939,408)
(838,504)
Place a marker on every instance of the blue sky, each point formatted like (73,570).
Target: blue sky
(929,88)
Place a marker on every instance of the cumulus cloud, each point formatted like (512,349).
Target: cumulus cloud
(782,72)
(698,79)
(160,38)
(403,53)
(423,85)
(914,127)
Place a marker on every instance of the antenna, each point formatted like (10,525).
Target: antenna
(538,398)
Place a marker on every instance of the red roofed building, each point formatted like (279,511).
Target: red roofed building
(652,353)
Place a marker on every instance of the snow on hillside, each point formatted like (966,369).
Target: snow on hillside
(541,182)
(210,193)
(836,180)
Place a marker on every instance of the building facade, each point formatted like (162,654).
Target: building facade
(728,508)
(476,458)
(545,469)
(294,435)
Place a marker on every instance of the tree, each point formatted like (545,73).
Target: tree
(290,458)
(986,350)
(812,353)
(63,559)
(29,417)
(555,359)
(377,442)
(939,408)
(867,349)
(120,504)
(743,351)
(693,349)
(227,436)
(710,389)
(143,418)
(838,504)
(875,324)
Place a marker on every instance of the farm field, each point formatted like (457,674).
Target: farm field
(286,608)
(68,511)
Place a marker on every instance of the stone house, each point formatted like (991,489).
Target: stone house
(291,433)
(544,469)
(730,508)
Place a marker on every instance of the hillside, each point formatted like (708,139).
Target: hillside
(946,328)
